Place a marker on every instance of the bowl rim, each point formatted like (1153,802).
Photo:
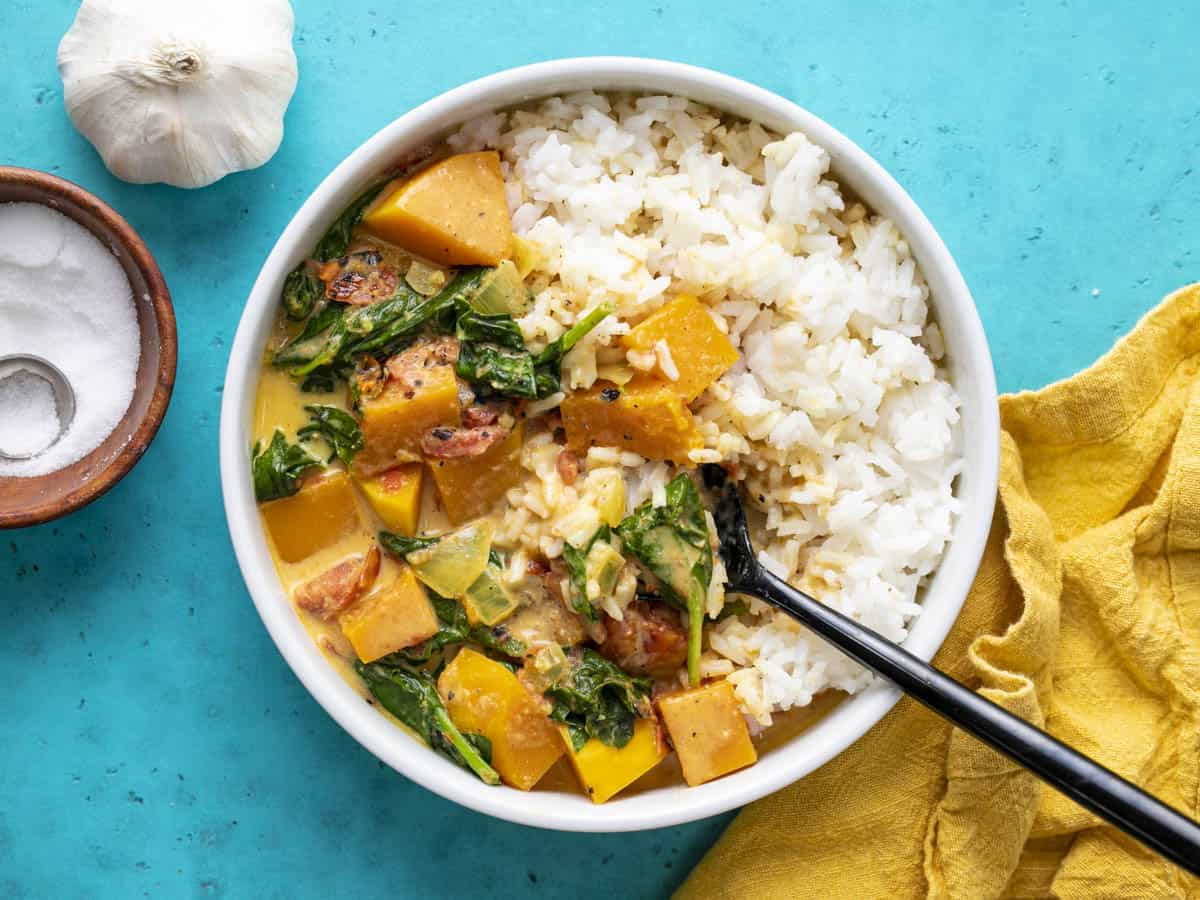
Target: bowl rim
(664,806)
(164,314)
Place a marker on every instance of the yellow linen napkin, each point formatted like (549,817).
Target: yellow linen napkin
(1084,618)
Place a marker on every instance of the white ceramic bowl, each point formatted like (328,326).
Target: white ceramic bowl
(970,368)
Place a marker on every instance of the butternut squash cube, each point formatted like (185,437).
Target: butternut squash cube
(318,516)
(605,770)
(393,422)
(396,616)
(708,731)
(396,496)
(699,350)
(647,416)
(483,696)
(471,485)
(454,212)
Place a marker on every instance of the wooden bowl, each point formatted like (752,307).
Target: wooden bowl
(31,501)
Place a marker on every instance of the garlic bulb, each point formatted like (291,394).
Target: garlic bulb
(181,91)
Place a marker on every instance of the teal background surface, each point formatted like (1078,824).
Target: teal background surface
(152,741)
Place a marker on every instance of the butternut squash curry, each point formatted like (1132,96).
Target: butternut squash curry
(400,403)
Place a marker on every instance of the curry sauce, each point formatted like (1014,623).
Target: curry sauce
(450,515)
(280,404)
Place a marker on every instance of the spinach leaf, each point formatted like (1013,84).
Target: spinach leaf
(507,372)
(498,640)
(337,236)
(672,542)
(548,380)
(321,381)
(576,560)
(378,330)
(480,742)
(333,347)
(401,545)
(337,428)
(386,330)
(317,330)
(275,469)
(412,698)
(453,628)
(597,699)
(612,722)
(500,329)
(548,363)
(733,608)
(578,734)
(301,291)
(492,352)
(559,348)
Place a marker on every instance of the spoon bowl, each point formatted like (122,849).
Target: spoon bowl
(64,396)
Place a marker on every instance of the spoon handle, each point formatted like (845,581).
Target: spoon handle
(1085,781)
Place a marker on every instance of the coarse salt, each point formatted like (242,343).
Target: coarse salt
(63,297)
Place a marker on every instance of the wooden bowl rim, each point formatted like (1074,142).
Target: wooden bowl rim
(131,243)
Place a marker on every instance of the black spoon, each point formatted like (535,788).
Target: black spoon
(1085,781)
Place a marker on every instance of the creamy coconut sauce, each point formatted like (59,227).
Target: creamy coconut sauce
(280,404)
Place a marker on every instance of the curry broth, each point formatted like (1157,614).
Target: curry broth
(280,403)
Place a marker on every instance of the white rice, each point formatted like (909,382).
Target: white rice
(837,414)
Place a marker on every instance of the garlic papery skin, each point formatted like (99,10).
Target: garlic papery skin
(179,91)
